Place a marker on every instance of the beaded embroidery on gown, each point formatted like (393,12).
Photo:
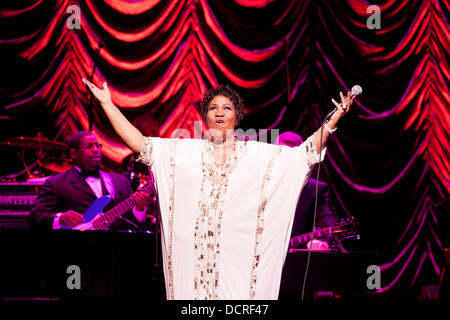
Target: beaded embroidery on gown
(225,228)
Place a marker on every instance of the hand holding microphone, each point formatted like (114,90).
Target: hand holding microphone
(346,101)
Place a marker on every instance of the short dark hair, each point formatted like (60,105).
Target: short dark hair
(226,91)
(75,139)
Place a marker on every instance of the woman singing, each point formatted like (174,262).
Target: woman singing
(227,205)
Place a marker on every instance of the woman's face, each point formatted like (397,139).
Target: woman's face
(221,116)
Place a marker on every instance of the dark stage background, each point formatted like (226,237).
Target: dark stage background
(388,164)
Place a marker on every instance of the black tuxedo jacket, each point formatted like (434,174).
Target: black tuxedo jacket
(304,213)
(69,191)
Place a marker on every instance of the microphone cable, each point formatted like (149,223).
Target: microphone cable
(355,91)
(315,207)
(132,223)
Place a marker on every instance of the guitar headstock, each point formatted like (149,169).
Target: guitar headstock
(342,230)
(346,228)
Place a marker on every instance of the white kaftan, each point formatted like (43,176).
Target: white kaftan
(226,229)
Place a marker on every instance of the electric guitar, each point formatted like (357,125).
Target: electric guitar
(341,230)
(96,219)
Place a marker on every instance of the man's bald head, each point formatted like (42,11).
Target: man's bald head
(290,139)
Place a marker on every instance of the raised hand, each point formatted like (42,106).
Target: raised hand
(132,137)
(345,104)
(331,124)
(103,96)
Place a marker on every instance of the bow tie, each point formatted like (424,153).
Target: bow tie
(93,173)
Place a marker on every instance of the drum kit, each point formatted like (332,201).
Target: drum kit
(42,158)
(50,155)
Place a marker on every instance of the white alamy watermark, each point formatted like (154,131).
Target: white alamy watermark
(251,134)
(374,19)
(74,20)
(374,280)
(74,279)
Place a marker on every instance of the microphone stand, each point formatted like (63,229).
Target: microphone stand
(156,274)
(91,77)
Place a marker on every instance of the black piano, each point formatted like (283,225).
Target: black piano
(38,265)
(330,275)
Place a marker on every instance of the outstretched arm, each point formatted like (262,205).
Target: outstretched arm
(332,122)
(129,134)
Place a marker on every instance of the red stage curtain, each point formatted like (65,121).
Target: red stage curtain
(389,163)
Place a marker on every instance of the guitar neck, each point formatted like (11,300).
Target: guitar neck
(340,230)
(305,238)
(108,217)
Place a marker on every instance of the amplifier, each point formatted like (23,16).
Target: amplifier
(14,219)
(334,275)
(15,208)
(17,201)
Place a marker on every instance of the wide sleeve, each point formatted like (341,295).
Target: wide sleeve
(311,155)
(146,154)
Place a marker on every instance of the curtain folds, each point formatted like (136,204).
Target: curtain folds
(389,163)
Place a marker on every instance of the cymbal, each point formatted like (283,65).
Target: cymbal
(40,143)
(56,165)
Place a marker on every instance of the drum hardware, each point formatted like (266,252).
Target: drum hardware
(39,143)
(55,165)
(44,150)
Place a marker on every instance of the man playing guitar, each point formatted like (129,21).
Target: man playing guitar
(66,196)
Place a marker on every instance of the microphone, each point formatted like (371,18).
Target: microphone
(356,90)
